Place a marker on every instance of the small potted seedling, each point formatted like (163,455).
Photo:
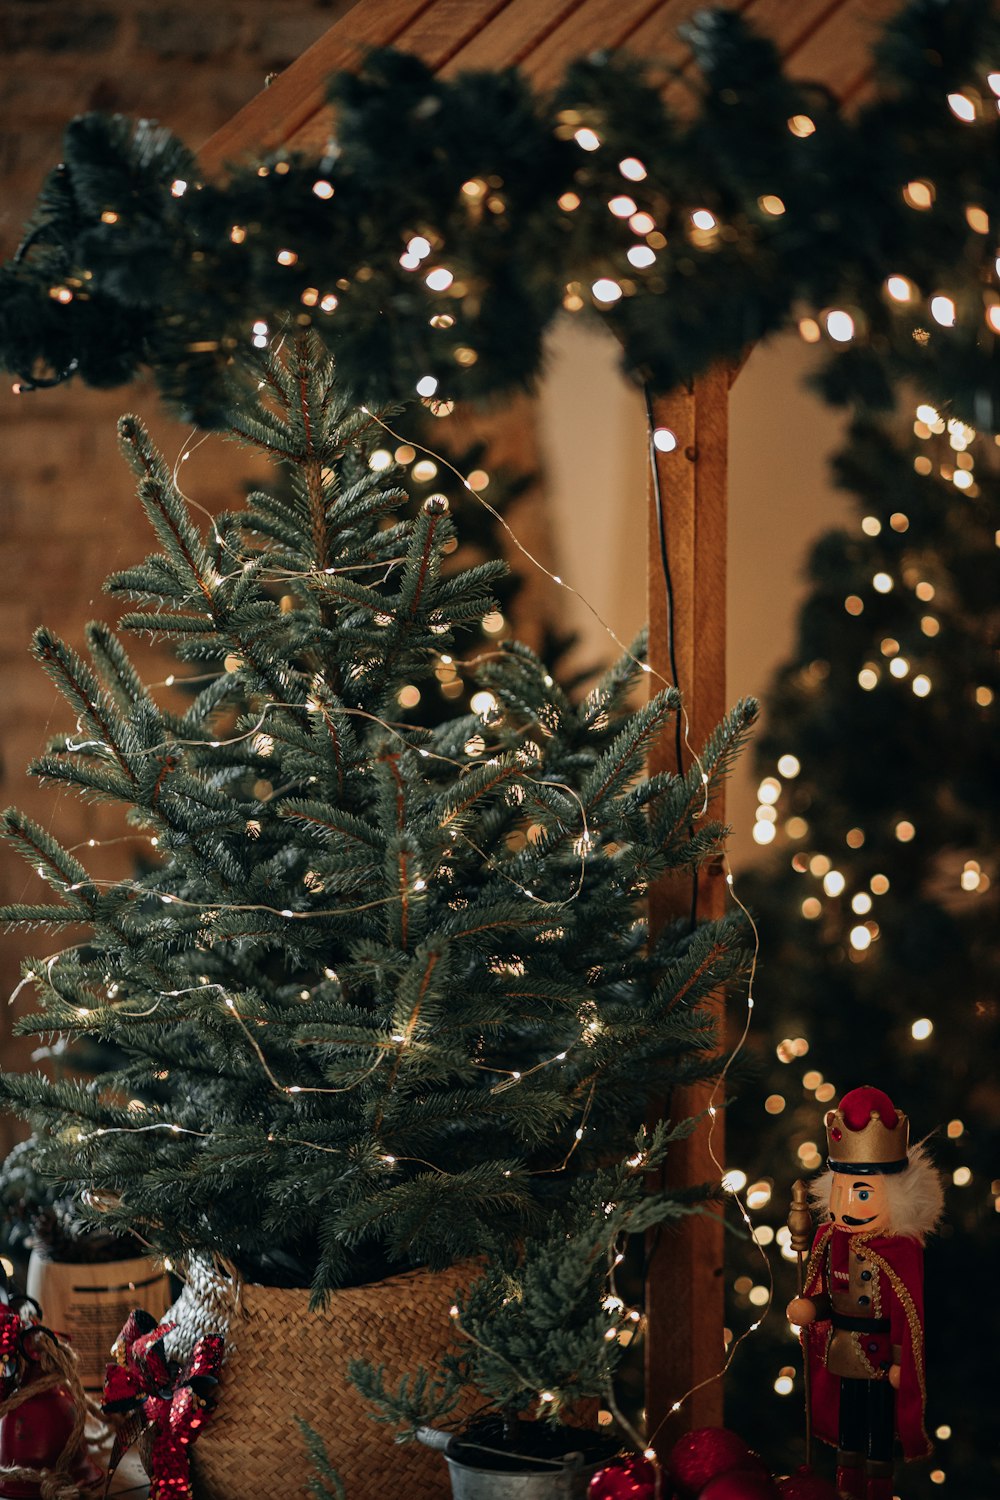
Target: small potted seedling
(538,1336)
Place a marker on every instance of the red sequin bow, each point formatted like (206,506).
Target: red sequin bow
(158,1397)
(11,1329)
(10,1332)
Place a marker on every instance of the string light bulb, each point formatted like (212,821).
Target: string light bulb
(605,290)
(632,168)
(840,325)
(962,107)
(943,310)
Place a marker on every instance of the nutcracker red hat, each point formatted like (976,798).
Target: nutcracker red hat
(867,1134)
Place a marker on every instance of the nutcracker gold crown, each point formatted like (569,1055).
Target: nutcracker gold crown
(872,1149)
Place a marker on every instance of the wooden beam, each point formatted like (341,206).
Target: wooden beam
(684,1290)
(830,45)
(297,96)
(839,54)
(512,35)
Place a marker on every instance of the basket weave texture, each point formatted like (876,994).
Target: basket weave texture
(285,1361)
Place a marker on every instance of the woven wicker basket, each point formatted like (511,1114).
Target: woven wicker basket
(284,1361)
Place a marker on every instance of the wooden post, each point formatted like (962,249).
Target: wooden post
(684,1291)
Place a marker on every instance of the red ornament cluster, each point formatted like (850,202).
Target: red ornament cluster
(711,1463)
(629,1478)
(11,1329)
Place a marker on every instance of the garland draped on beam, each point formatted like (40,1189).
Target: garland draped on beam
(451,221)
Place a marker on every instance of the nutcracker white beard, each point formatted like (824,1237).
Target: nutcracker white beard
(916,1197)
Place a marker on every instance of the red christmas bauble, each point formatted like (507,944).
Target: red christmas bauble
(629,1478)
(702,1455)
(33,1436)
(740,1484)
(805,1485)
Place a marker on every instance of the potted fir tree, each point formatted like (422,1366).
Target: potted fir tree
(388,995)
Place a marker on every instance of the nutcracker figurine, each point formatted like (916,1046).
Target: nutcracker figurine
(861,1313)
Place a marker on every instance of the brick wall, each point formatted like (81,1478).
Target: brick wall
(68,512)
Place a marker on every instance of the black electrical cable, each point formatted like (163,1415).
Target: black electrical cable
(661,532)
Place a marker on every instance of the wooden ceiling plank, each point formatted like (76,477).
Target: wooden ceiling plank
(656,37)
(440,32)
(444,28)
(789,23)
(521,26)
(830,44)
(594,25)
(839,54)
(273,117)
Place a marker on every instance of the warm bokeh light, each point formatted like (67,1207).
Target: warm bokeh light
(943,310)
(840,325)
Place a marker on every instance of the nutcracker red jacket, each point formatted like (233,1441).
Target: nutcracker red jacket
(895,1288)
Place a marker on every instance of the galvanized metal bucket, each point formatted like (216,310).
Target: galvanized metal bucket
(565,1479)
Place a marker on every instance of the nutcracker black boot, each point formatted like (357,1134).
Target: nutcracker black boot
(850,1476)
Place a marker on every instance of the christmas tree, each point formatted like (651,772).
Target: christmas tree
(878,909)
(386,997)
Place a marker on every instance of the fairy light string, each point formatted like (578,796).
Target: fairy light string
(733,1191)
(583,837)
(556,578)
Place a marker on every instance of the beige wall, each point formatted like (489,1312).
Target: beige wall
(594,446)
(780,498)
(592,433)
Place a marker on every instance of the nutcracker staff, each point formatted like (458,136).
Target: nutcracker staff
(862,1315)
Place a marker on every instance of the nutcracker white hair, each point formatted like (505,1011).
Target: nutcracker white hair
(916,1197)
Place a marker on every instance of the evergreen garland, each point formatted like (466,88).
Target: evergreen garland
(134,260)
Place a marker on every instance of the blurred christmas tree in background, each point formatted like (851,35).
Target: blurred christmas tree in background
(878,901)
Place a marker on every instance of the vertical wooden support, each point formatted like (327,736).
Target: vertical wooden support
(684,1292)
